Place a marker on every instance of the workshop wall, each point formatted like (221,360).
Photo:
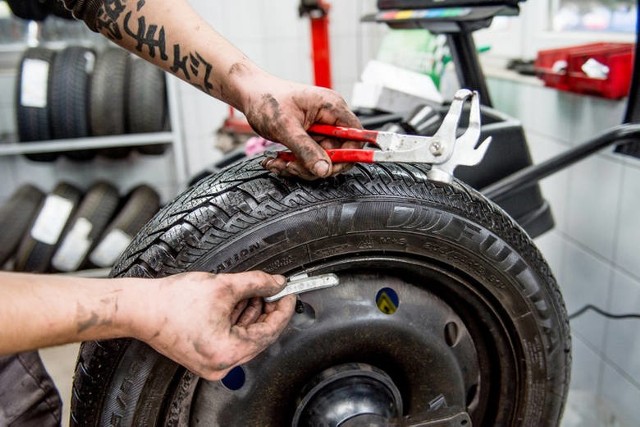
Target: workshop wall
(593,250)
(277,39)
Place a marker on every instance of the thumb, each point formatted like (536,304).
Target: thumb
(309,153)
(255,284)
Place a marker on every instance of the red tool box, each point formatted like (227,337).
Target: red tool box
(568,68)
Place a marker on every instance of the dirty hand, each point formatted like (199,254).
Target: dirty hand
(281,111)
(210,323)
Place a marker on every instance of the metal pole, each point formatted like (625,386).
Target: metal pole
(532,174)
(468,68)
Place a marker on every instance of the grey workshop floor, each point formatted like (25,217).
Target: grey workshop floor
(583,409)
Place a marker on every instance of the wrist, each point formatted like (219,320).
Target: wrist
(133,313)
(244,80)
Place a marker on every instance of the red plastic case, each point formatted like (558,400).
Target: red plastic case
(618,57)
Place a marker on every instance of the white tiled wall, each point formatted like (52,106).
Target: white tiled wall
(594,249)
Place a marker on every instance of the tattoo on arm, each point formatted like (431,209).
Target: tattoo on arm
(192,65)
(146,36)
(108,16)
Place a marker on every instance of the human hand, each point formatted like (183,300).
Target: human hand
(210,323)
(282,111)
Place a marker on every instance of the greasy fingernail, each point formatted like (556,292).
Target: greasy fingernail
(267,162)
(321,168)
(280,279)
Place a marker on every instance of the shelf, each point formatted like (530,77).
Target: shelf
(13,148)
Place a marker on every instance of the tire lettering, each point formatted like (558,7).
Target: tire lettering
(122,398)
(279,264)
(237,257)
(508,261)
(333,250)
(416,219)
(340,219)
(397,241)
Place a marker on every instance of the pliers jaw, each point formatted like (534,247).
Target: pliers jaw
(460,151)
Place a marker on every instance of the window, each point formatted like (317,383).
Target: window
(546,24)
(618,16)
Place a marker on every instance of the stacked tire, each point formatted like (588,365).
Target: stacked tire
(68,230)
(78,92)
(38,10)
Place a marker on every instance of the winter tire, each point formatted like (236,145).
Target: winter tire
(72,70)
(15,216)
(33,104)
(39,244)
(94,213)
(445,306)
(147,103)
(141,205)
(107,98)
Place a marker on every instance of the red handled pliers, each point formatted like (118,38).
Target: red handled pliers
(443,150)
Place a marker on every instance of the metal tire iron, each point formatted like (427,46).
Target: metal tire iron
(443,151)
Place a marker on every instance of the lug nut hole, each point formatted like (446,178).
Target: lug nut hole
(387,300)
(235,379)
(451,333)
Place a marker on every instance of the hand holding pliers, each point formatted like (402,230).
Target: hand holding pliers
(444,151)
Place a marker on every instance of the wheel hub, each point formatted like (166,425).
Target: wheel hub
(348,392)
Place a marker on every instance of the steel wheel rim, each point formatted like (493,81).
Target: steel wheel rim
(455,349)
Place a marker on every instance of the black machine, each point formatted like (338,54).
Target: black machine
(429,4)
(512,183)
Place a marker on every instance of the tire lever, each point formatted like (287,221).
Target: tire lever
(303,283)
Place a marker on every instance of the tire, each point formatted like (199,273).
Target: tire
(94,213)
(30,10)
(39,244)
(69,96)
(107,98)
(141,205)
(33,104)
(478,323)
(15,216)
(147,103)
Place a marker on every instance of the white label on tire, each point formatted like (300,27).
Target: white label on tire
(74,247)
(51,220)
(90,63)
(35,77)
(110,248)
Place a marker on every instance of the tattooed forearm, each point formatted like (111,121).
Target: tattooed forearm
(146,36)
(192,65)
(117,21)
(107,18)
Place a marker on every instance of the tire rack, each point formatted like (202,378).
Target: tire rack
(174,137)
